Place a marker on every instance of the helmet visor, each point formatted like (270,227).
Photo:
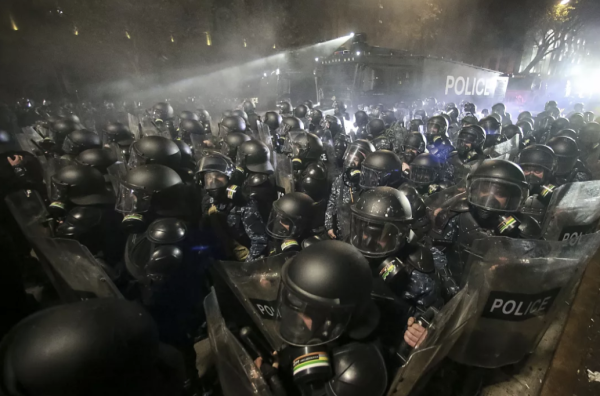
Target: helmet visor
(290,141)
(132,200)
(370,178)
(565,165)
(353,157)
(214,180)
(301,322)
(281,225)
(496,195)
(534,174)
(135,158)
(68,145)
(58,191)
(374,238)
(422,174)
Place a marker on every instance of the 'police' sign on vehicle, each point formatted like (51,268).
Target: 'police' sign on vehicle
(517,306)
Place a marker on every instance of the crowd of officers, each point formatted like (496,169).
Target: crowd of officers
(156,196)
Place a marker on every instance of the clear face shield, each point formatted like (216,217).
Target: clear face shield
(302,323)
(422,175)
(215,180)
(371,178)
(58,191)
(496,195)
(68,145)
(464,143)
(564,165)
(290,141)
(535,175)
(132,199)
(282,226)
(135,158)
(375,238)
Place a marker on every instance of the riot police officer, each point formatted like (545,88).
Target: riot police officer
(231,143)
(468,154)
(285,108)
(381,220)
(155,150)
(232,124)
(381,168)
(569,168)
(78,141)
(301,112)
(361,120)
(538,163)
(375,128)
(413,145)
(290,222)
(493,131)
(425,174)
(576,121)
(438,143)
(589,143)
(345,189)
(314,183)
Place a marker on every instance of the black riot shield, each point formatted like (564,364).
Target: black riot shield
(506,150)
(284,175)
(264,135)
(397,133)
(29,211)
(52,166)
(238,374)
(462,170)
(443,332)
(148,128)
(30,140)
(521,284)
(256,285)
(134,125)
(573,211)
(73,270)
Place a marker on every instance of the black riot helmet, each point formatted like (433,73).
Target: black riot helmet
(589,136)
(190,126)
(248,107)
(98,158)
(254,156)
(578,107)
(497,117)
(436,126)
(273,120)
(422,114)
(567,132)
(314,182)
(558,125)
(471,137)
(425,169)
(294,123)
(511,130)
(154,150)
(416,125)
(538,163)
(117,132)
(359,369)
(449,106)
(499,108)
(356,153)
(497,186)
(388,117)
(187,157)
(61,128)
(77,141)
(233,123)
(577,121)
(325,292)
(306,146)
(420,224)
(375,127)
(290,216)
(453,113)
(240,113)
(81,185)
(361,118)
(413,145)
(333,124)
(309,104)
(300,111)
(214,173)
(551,104)
(188,115)
(491,125)
(316,116)
(526,126)
(232,142)
(204,116)
(588,116)
(382,143)
(380,222)
(470,108)
(469,120)
(524,114)
(284,107)
(381,168)
(162,111)
(340,145)
(149,187)
(543,121)
(566,151)
(103,346)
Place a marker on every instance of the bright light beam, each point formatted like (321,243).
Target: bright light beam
(564,2)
